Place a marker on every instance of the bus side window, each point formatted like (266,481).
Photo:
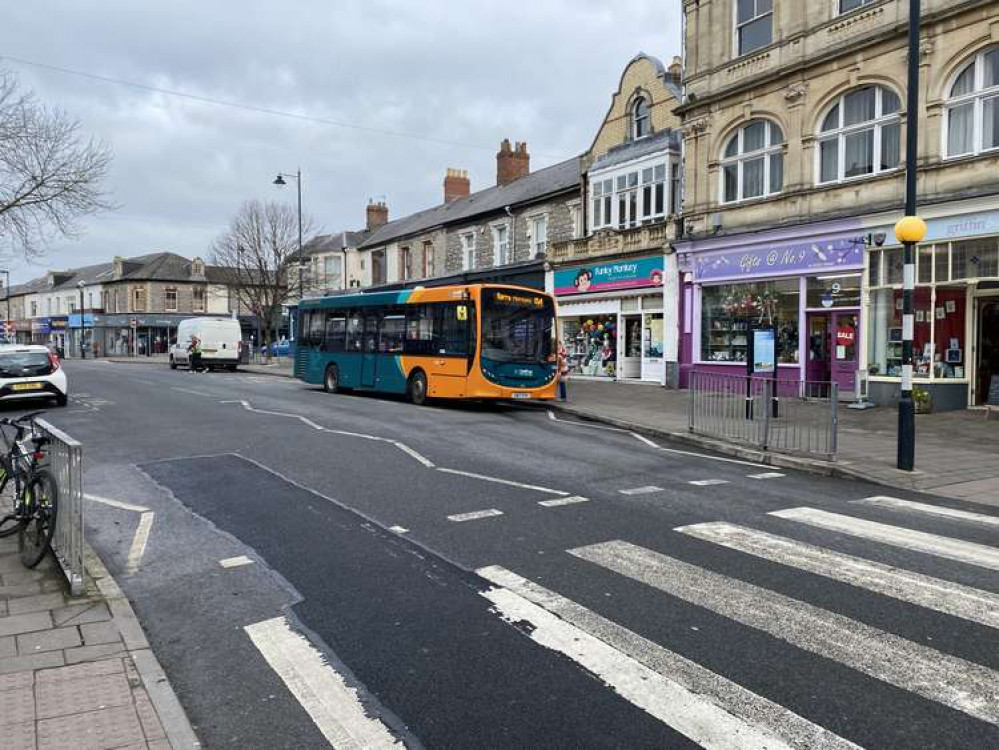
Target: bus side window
(420,330)
(336,331)
(302,327)
(354,332)
(317,324)
(392,332)
(454,332)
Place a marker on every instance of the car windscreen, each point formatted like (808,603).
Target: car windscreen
(517,326)
(24,364)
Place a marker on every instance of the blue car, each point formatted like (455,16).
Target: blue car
(279,349)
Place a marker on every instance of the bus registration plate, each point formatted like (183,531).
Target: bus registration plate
(521,394)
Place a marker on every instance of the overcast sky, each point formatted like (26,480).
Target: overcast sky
(466,72)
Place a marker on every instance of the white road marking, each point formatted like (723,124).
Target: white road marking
(648,490)
(139,542)
(943,596)
(192,391)
(116,503)
(707,693)
(949,680)
(333,706)
(398,530)
(766,475)
(235,562)
(643,439)
(920,541)
(883,501)
(668,701)
(415,454)
(708,482)
(507,482)
(559,502)
(475,515)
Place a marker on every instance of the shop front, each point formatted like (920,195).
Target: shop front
(803,284)
(612,318)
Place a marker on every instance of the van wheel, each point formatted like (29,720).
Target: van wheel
(417,388)
(331,380)
(173,364)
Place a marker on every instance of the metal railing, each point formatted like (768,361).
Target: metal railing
(65,461)
(782,415)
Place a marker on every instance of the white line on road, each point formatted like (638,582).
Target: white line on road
(703,693)
(559,502)
(415,454)
(895,503)
(192,391)
(766,475)
(236,562)
(139,542)
(643,439)
(475,515)
(708,482)
(919,541)
(943,596)
(949,680)
(333,706)
(507,482)
(647,490)
(398,530)
(666,700)
(116,503)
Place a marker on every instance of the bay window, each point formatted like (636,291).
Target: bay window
(630,197)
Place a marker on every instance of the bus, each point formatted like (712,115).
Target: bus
(475,341)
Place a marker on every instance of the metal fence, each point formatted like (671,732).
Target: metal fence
(783,415)
(65,457)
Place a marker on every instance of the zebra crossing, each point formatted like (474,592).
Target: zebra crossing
(714,710)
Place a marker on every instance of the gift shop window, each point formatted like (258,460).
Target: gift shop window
(591,343)
(730,311)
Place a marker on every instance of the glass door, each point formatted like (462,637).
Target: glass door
(846,335)
(631,347)
(988,348)
(652,347)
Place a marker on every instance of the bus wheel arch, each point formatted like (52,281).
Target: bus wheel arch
(416,387)
(331,379)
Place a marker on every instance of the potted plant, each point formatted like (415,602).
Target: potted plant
(924,404)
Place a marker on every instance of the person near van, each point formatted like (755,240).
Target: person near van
(563,371)
(194,354)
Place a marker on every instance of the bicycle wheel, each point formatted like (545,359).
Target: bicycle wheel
(8,502)
(42,500)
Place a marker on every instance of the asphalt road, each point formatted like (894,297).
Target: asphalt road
(489,576)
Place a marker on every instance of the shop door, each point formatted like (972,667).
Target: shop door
(652,347)
(369,357)
(844,348)
(819,367)
(631,347)
(988,348)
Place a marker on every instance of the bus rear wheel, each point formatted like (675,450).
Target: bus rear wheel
(331,380)
(417,388)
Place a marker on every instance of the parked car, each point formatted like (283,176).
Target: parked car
(31,371)
(221,341)
(279,348)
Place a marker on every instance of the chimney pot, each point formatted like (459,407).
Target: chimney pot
(378,215)
(512,163)
(456,185)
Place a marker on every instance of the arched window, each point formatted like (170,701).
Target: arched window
(859,135)
(640,121)
(753,162)
(973,106)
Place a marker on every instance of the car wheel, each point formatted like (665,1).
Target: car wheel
(173,365)
(417,388)
(331,380)
(62,399)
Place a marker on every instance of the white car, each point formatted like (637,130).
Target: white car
(31,371)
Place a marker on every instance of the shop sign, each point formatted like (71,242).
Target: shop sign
(88,320)
(58,323)
(954,227)
(832,255)
(608,277)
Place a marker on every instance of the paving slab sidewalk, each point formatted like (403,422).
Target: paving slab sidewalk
(77,673)
(957,453)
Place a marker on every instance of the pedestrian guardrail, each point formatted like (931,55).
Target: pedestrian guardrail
(65,457)
(773,414)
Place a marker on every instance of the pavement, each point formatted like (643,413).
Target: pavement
(354,571)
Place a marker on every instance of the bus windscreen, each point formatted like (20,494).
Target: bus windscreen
(517,326)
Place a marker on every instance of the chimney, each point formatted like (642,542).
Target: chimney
(512,163)
(676,70)
(377,215)
(456,185)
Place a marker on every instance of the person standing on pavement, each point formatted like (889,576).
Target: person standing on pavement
(194,354)
(563,371)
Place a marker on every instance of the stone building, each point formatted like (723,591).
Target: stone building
(794,145)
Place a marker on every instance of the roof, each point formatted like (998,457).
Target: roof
(557,178)
(660,141)
(328,243)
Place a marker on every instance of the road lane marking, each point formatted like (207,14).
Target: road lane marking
(334,707)
(933,593)
(139,542)
(398,530)
(115,503)
(949,680)
(475,515)
(415,454)
(766,475)
(507,482)
(236,562)
(648,490)
(643,439)
(559,502)
(708,482)
(191,390)
(688,713)
(882,501)
(919,541)
(707,693)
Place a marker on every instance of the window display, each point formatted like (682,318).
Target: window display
(592,345)
(730,311)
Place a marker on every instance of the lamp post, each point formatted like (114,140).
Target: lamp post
(6,299)
(910,230)
(83,322)
(279,181)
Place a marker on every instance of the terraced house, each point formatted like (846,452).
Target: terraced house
(794,139)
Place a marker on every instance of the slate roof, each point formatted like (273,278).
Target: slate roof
(325,243)
(661,141)
(544,182)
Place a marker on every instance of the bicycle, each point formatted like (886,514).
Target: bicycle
(33,494)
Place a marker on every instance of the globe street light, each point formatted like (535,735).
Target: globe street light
(280,182)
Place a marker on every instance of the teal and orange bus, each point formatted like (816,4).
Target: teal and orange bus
(476,341)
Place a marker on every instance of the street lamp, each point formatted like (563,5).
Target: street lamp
(6,299)
(83,330)
(279,181)
(909,231)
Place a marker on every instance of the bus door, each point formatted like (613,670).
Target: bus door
(369,357)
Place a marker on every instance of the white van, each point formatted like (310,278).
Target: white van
(221,341)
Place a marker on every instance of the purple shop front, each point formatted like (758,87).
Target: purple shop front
(804,283)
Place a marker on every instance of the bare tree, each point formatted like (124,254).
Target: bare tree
(50,175)
(259,251)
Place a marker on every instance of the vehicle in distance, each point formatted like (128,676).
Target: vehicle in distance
(221,341)
(476,341)
(32,371)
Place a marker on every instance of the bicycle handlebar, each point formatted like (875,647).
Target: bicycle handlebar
(22,420)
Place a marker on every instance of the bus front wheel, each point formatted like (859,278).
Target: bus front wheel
(331,381)
(418,388)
